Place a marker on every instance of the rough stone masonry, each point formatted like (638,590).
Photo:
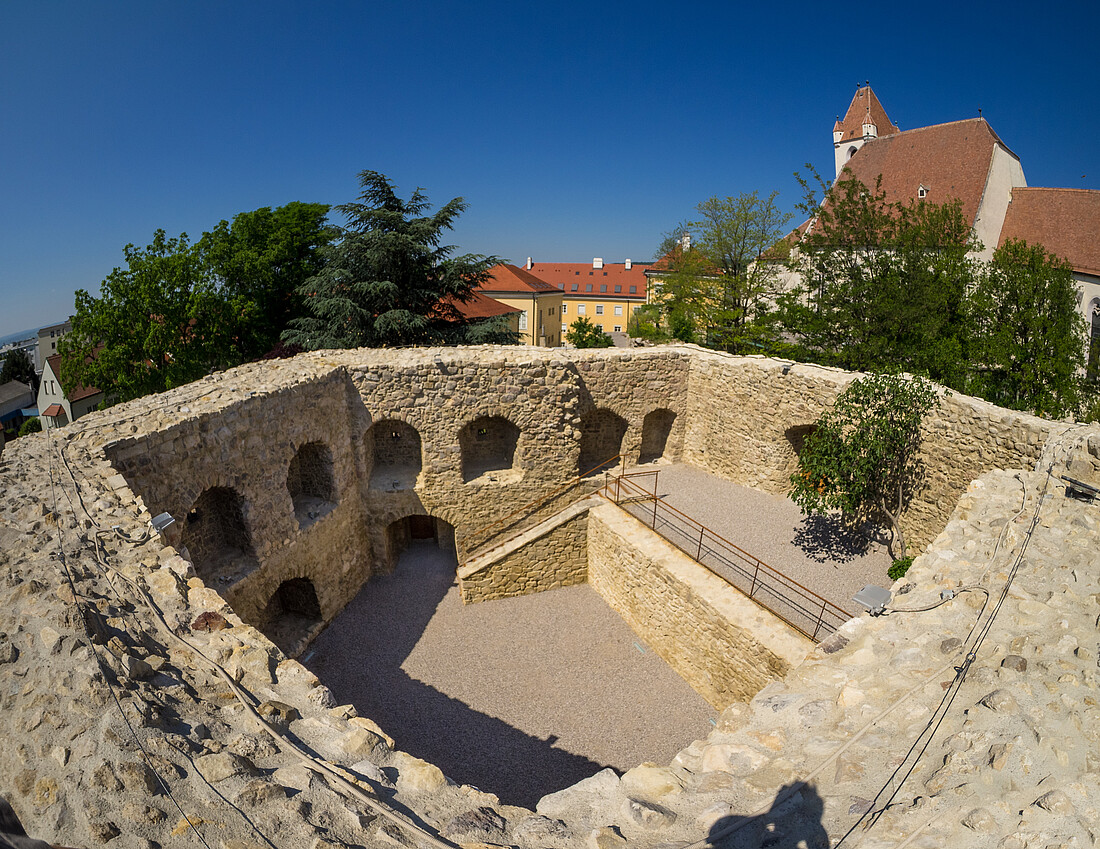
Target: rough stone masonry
(141,704)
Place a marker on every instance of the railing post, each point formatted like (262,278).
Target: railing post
(654,510)
(754,576)
(820,620)
(699,551)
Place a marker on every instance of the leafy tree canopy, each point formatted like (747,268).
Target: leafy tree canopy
(1029,344)
(178,310)
(722,282)
(259,260)
(584,334)
(883,285)
(19,366)
(387,278)
(863,456)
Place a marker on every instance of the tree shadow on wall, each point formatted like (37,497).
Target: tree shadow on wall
(829,537)
(794,820)
(359,658)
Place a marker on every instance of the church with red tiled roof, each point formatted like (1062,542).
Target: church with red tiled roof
(967,161)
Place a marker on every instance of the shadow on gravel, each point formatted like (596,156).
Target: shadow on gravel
(828,538)
(359,658)
(794,819)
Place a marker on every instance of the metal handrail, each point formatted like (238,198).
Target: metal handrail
(808,604)
(530,506)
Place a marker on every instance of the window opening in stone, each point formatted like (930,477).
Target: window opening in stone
(602,433)
(395,449)
(489,450)
(311,484)
(293,616)
(217,538)
(656,428)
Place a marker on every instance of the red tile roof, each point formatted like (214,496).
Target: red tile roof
(950,160)
(1064,221)
(52,410)
(509,278)
(477,307)
(81,392)
(562,275)
(864,100)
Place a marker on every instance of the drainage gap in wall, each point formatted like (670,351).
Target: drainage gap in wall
(520,697)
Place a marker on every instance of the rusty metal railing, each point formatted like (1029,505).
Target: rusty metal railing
(800,607)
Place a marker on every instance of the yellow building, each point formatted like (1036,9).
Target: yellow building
(539,303)
(605,293)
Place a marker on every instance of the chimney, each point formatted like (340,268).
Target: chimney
(529,263)
(597,262)
(627,264)
(685,241)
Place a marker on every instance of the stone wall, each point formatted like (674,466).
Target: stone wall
(748,415)
(549,556)
(724,645)
(103,711)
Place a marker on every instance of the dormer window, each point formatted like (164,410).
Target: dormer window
(922,192)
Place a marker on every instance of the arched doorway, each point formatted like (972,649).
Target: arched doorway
(656,428)
(292,615)
(488,448)
(216,536)
(311,484)
(394,449)
(602,433)
(418,528)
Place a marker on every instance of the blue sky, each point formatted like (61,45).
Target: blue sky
(573,130)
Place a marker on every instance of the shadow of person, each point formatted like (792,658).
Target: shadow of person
(792,822)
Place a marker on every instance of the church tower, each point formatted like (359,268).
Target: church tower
(864,120)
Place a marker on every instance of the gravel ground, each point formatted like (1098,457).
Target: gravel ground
(520,697)
(818,552)
(526,696)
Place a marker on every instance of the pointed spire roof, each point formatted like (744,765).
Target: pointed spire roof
(864,103)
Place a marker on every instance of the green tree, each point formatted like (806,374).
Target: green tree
(584,334)
(31,425)
(19,366)
(258,261)
(1028,350)
(722,286)
(179,310)
(645,323)
(387,278)
(863,456)
(159,322)
(883,284)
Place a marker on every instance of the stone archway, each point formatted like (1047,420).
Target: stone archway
(216,536)
(489,449)
(292,615)
(656,428)
(311,483)
(602,432)
(395,451)
(402,532)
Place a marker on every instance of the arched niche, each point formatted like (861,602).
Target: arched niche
(293,615)
(311,483)
(488,447)
(395,452)
(602,433)
(217,538)
(419,527)
(656,428)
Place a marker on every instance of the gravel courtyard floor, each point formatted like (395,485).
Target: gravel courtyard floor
(522,697)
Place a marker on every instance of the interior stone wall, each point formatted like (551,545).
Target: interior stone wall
(747,414)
